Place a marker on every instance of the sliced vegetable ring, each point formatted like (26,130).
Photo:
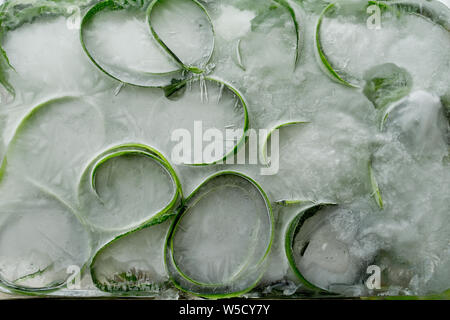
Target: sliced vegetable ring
(295,248)
(431,11)
(133,262)
(103,30)
(157,52)
(221,237)
(104,192)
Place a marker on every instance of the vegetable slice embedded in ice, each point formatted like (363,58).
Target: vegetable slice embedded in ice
(133,262)
(184,29)
(220,239)
(315,253)
(141,61)
(127,186)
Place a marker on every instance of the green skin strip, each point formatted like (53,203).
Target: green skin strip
(193,69)
(286,5)
(323,58)
(376,190)
(136,149)
(172,89)
(414,8)
(292,230)
(169,249)
(57,285)
(165,78)
(154,221)
(266,140)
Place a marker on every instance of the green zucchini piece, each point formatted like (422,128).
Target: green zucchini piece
(218,244)
(218,99)
(133,263)
(39,240)
(276,24)
(142,62)
(41,231)
(314,253)
(291,10)
(4,66)
(126,187)
(184,29)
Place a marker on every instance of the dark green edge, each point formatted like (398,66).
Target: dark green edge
(194,70)
(111,4)
(321,53)
(178,218)
(291,11)
(376,193)
(4,60)
(382,4)
(6,284)
(152,222)
(285,124)
(169,90)
(293,229)
(178,193)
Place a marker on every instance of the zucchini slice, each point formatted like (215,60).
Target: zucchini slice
(395,17)
(41,230)
(315,254)
(142,62)
(218,244)
(128,186)
(184,29)
(133,263)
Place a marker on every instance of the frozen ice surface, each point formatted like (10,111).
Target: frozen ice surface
(323,160)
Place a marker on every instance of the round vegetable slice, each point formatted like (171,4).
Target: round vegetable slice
(219,241)
(359,13)
(128,186)
(316,255)
(133,262)
(208,93)
(39,241)
(142,61)
(184,30)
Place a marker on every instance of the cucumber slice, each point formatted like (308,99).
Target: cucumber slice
(184,29)
(291,10)
(276,24)
(142,62)
(133,263)
(388,44)
(39,240)
(315,254)
(41,233)
(219,241)
(128,186)
(217,97)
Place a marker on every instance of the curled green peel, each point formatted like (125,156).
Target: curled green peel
(242,278)
(92,203)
